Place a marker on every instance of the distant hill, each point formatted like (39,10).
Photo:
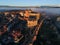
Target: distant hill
(31,6)
(49,6)
(22,6)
